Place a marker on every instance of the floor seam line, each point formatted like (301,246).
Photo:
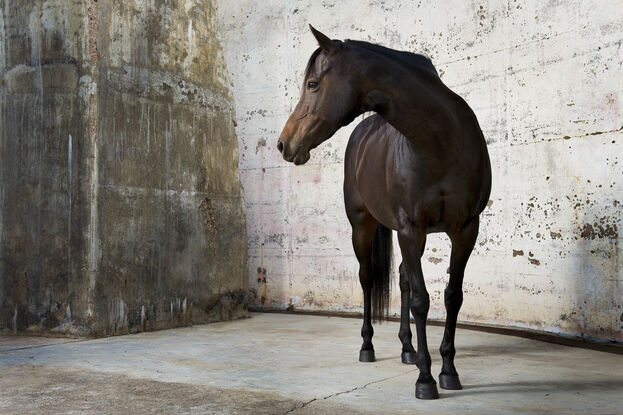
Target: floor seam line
(44,345)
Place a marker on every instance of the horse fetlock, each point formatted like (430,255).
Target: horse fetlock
(426,377)
(423,363)
(367,332)
(448,369)
(405,336)
(447,350)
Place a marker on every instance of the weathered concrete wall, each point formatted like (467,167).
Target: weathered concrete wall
(120,199)
(544,79)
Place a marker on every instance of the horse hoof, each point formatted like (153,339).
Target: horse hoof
(426,391)
(408,358)
(449,382)
(366,356)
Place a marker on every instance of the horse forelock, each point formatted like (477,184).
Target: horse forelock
(312,62)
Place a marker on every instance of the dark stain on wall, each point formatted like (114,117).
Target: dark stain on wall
(120,200)
(599,230)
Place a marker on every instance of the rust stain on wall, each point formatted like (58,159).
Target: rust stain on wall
(207,216)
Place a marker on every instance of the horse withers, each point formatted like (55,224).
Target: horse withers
(419,165)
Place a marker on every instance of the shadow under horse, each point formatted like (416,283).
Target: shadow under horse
(419,165)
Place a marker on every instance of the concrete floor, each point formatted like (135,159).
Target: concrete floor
(293,364)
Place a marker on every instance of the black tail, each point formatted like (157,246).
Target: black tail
(381,257)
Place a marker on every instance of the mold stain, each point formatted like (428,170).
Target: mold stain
(597,230)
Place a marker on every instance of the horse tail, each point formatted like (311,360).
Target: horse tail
(381,263)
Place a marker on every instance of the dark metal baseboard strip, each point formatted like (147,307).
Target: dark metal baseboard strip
(507,331)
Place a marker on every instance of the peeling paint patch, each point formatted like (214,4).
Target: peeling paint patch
(93,28)
(534,261)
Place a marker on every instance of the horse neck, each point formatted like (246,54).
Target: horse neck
(414,102)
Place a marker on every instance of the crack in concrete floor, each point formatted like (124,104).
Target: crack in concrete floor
(303,405)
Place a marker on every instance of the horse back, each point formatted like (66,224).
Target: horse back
(390,177)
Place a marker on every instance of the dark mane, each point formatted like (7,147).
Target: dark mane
(413,60)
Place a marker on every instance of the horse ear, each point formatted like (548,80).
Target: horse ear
(324,42)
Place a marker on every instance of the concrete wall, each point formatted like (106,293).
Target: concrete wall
(120,200)
(544,79)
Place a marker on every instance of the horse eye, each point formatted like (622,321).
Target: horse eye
(312,84)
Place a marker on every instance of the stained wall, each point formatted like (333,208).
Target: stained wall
(120,200)
(544,79)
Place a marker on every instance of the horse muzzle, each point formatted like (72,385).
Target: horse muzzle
(298,156)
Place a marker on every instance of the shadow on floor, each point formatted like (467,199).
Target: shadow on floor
(518,349)
(544,387)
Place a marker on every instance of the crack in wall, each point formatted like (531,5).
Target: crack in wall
(552,139)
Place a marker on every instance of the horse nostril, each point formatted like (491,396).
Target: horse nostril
(280,146)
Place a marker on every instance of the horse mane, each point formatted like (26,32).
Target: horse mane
(414,61)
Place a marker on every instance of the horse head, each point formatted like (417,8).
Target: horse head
(330,100)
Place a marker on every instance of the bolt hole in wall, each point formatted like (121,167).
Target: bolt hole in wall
(542,79)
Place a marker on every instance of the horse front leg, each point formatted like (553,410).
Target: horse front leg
(408,355)
(364,227)
(462,245)
(412,241)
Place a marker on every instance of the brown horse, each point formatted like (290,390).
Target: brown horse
(420,166)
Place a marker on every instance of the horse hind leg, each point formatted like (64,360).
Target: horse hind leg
(462,245)
(408,355)
(364,226)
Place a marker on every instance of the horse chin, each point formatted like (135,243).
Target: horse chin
(301,157)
